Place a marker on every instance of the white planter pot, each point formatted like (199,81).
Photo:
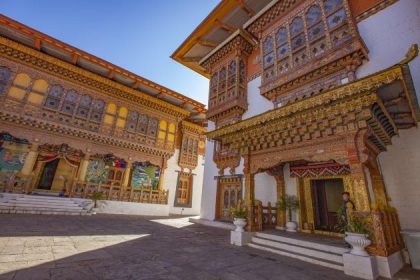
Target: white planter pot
(240,224)
(291,226)
(358,243)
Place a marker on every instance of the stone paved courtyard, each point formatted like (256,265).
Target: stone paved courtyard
(129,247)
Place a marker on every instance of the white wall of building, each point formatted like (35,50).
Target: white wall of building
(388,35)
(265,189)
(170,180)
(208,197)
(257,103)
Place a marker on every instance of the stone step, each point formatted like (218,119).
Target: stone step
(34,205)
(33,202)
(42,198)
(310,252)
(42,208)
(42,212)
(303,243)
(294,255)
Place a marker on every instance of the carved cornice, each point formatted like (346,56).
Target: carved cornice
(67,131)
(361,88)
(240,41)
(267,16)
(192,128)
(22,54)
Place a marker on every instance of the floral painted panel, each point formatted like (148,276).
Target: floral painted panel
(11,160)
(97,171)
(145,175)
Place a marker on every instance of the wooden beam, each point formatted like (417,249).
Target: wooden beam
(74,58)
(246,8)
(192,59)
(225,26)
(111,74)
(37,44)
(208,43)
(136,84)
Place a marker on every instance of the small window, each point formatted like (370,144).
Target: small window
(55,93)
(5,75)
(19,86)
(183,194)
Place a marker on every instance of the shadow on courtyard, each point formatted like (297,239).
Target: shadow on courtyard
(128,247)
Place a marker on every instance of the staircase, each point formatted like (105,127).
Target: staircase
(304,250)
(37,204)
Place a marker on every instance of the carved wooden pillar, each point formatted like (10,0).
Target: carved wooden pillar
(30,160)
(278,175)
(359,187)
(162,174)
(83,167)
(378,185)
(249,192)
(127,175)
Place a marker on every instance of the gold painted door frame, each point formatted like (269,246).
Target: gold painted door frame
(306,199)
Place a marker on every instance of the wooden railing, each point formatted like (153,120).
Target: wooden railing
(115,192)
(385,233)
(262,217)
(16,183)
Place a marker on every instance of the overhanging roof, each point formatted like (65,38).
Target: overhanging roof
(32,38)
(225,19)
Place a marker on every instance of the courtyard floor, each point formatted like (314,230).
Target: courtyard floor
(132,247)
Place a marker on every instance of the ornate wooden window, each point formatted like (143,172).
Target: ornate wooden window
(142,124)
(213,85)
(189,151)
(38,92)
(70,101)
(19,86)
(122,117)
(110,114)
(84,106)
(232,73)
(166,134)
(5,75)
(153,127)
(97,110)
(313,30)
(55,93)
(132,121)
(183,193)
(222,80)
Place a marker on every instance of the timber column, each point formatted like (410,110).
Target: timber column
(249,192)
(277,173)
(360,192)
(83,166)
(162,174)
(29,164)
(127,175)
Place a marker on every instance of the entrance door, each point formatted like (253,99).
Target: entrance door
(47,176)
(327,201)
(229,196)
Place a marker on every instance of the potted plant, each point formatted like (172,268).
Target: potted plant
(289,203)
(239,217)
(95,197)
(357,235)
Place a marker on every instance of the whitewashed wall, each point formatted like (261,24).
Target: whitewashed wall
(388,35)
(170,180)
(208,197)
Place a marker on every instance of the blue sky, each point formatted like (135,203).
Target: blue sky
(138,35)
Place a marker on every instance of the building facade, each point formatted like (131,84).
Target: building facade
(72,122)
(312,98)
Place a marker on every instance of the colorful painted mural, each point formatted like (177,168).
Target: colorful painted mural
(97,171)
(13,152)
(145,175)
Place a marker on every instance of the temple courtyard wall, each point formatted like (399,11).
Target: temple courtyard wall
(386,41)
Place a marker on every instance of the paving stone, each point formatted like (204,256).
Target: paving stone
(132,247)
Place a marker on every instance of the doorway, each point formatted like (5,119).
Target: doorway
(327,201)
(47,175)
(228,196)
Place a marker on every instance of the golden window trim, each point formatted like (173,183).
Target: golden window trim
(44,60)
